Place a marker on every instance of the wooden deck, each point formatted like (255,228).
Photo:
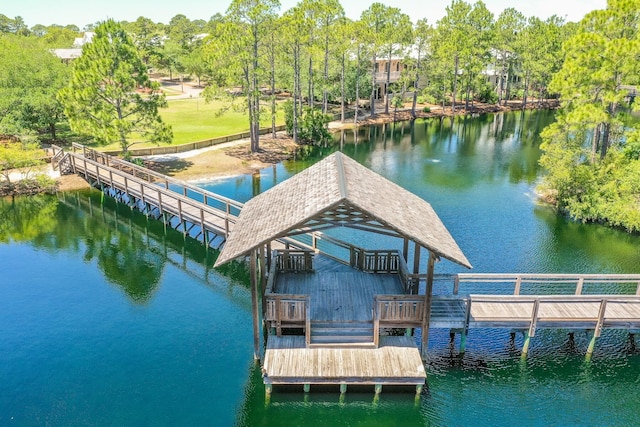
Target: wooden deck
(339,296)
(396,361)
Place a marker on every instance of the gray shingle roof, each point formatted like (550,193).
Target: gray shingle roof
(338,191)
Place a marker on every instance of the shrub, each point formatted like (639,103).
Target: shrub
(314,127)
(487,94)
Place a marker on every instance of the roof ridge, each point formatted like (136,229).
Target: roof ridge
(342,184)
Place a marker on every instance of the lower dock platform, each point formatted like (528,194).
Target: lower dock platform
(396,362)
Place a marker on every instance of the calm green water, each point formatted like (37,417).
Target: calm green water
(109,319)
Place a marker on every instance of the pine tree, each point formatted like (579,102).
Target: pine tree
(103,97)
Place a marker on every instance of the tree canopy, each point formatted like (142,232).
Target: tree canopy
(110,96)
(591,152)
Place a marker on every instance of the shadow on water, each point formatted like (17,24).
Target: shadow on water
(328,407)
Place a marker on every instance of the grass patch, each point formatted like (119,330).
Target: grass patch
(195,120)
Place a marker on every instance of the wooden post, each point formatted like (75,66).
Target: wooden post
(428,291)
(416,259)
(405,250)
(597,330)
(263,271)
(378,388)
(465,329)
(343,388)
(268,388)
(306,387)
(531,332)
(253,259)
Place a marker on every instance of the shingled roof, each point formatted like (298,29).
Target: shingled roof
(338,191)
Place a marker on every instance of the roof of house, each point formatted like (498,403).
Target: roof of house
(67,53)
(338,191)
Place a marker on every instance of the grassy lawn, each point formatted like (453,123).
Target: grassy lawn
(195,120)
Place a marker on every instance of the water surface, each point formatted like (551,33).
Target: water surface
(106,318)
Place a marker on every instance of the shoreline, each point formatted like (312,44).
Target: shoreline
(234,158)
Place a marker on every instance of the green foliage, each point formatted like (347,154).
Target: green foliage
(288,116)
(102,97)
(590,153)
(313,126)
(426,109)
(18,155)
(30,77)
(13,26)
(17,163)
(487,94)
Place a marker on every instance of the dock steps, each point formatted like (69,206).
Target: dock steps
(342,333)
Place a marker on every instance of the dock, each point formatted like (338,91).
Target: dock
(335,313)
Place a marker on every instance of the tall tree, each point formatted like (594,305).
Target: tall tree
(377,25)
(477,52)
(102,97)
(541,52)
(330,14)
(423,35)
(509,26)
(248,22)
(147,36)
(451,42)
(295,34)
(397,34)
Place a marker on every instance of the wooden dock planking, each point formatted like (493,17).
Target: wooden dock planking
(396,361)
(339,296)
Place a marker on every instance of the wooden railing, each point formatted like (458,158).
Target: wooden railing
(398,311)
(185,208)
(217,201)
(58,155)
(375,261)
(293,261)
(289,311)
(576,284)
(595,319)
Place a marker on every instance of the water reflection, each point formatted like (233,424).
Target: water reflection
(23,219)
(130,250)
(455,153)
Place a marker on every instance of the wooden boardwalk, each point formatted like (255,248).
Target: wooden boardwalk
(552,311)
(185,207)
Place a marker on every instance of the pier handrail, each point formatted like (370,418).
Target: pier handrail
(398,311)
(293,260)
(58,154)
(287,310)
(81,162)
(537,301)
(156,177)
(520,279)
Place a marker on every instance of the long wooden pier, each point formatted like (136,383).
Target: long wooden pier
(336,313)
(184,206)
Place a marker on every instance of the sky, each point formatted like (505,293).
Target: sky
(83,12)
